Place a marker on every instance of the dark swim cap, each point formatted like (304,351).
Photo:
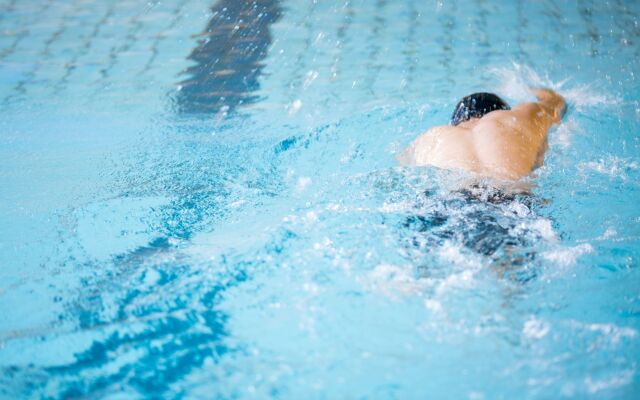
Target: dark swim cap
(476,105)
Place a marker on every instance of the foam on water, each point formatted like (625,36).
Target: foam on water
(619,379)
(515,81)
(568,256)
(535,328)
(613,166)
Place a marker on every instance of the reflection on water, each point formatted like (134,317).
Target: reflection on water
(229,57)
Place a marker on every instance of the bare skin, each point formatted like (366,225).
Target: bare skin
(503,144)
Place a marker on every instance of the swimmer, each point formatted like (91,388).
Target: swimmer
(489,138)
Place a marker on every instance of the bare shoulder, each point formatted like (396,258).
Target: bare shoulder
(438,133)
(423,145)
(444,130)
(524,118)
(550,107)
(522,110)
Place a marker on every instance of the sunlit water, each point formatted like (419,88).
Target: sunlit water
(173,226)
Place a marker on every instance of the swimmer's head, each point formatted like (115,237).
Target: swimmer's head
(476,105)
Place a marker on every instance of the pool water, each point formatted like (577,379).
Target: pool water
(200,199)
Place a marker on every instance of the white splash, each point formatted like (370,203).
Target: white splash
(535,328)
(294,107)
(393,280)
(612,166)
(311,217)
(609,233)
(311,287)
(433,305)
(584,96)
(451,252)
(302,183)
(561,136)
(515,81)
(465,277)
(568,256)
(538,227)
(544,228)
(518,209)
(396,207)
(310,77)
(612,333)
(620,379)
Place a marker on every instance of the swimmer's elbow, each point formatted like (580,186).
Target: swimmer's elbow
(553,103)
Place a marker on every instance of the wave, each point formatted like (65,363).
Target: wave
(514,83)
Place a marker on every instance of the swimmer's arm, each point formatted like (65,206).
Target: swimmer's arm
(531,121)
(548,110)
(552,103)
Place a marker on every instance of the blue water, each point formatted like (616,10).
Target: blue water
(200,199)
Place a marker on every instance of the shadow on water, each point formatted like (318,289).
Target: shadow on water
(154,299)
(229,57)
(157,316)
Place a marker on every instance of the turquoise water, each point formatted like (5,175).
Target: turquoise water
(200,200)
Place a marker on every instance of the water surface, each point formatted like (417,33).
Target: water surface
(201,199)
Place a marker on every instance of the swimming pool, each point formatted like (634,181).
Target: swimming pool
(200,200)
